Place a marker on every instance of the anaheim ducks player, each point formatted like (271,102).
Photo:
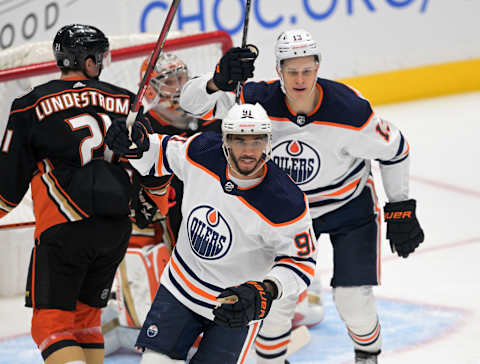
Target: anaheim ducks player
(325,136)
(246,232)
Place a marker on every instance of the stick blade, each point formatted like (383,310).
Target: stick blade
(298,339)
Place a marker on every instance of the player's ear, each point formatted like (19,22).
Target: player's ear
(278,70)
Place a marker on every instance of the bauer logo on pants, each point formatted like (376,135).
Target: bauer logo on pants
(209,233)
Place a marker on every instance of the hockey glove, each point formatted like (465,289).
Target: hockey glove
(118,140)
(254,302)
(236,65)
(403,229)
(144,211)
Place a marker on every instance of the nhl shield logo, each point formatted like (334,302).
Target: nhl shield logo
(209,233)
(298,159)
(152,331)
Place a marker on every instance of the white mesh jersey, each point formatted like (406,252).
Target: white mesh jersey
(230,234)
(328,152)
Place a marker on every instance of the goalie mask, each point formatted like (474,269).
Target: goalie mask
(247,119)
(75,43)
(163,92)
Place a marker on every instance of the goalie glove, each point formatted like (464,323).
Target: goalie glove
(403,229)
(236,65)
(117,139)
(253,302)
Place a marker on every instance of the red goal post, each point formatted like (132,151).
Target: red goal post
(31,64)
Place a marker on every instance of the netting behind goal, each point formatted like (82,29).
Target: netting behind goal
(26,66)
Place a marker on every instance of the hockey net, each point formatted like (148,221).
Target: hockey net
(26,66)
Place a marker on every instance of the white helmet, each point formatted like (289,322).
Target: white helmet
(247,119)
(296,43)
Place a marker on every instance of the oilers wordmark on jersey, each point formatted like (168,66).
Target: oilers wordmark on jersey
(298,159)
(209,234)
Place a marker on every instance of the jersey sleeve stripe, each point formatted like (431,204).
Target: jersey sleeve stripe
(356,170)
(400,146)
(349,187)
(163,155)
(303,267)
(297,259)
(299,273)
(208,115)
(389,163)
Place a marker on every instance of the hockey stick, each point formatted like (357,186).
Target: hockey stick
(151,64)
(244,43)
(127,293)
(298,339)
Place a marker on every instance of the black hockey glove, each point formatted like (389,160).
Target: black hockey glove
(254,302)
(144,210)
(118,141)
(236,65)
(403,229)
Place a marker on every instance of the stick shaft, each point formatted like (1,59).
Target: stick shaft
(153,60)
(244,43)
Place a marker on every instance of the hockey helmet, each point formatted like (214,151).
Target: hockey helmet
(296,43)
(168,76)
(247,119)
(74,43)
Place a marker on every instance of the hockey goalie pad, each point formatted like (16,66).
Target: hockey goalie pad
(137,281)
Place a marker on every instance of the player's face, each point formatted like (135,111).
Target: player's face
(246,152)
(299,76)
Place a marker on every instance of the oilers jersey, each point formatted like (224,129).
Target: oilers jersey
(328,152)
(230,234)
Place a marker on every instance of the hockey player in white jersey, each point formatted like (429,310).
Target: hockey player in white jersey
(325,135)
(246,232)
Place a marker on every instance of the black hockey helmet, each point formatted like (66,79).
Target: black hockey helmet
(74,43)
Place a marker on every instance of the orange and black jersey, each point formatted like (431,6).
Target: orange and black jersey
(54,140)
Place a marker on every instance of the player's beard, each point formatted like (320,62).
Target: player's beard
(243,171)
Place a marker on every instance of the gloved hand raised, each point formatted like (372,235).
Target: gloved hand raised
(236,65)
(118,140)
(403,228)
(253,302)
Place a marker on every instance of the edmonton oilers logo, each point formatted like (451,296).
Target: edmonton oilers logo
(298,159)
(208,231)
(152,331)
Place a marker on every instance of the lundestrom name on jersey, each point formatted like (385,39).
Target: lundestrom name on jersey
(209,233)
(298,159)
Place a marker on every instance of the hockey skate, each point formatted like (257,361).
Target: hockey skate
(364,357)
(309,310)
